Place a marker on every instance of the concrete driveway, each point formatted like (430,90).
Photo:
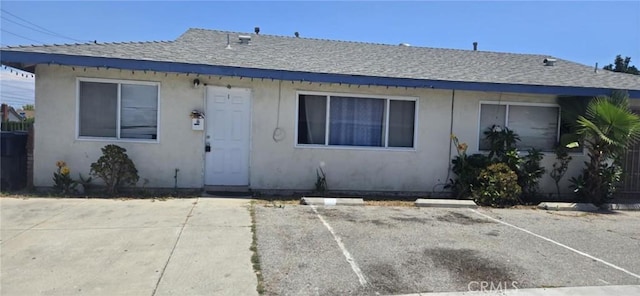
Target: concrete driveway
(397,250)
(197,246)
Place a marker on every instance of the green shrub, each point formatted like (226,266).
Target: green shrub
(321,181)
(502,145)
(501,141)
(497,186)
(560,166)
(62,182)
(115,168)
(529,173)
(467,169)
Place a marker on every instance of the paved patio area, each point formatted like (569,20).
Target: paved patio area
(197,246)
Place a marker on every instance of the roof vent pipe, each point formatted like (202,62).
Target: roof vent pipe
(257,30)
(228,42)
(475,46)
(296,34)
(549,62)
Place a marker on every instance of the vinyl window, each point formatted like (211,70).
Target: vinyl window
(342,120)
(118,110)
(537,125)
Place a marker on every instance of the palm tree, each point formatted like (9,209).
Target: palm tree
(608,128)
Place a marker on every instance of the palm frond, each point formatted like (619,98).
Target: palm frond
(610,120)
(590,129)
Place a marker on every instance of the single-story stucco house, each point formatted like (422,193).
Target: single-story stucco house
(378,117)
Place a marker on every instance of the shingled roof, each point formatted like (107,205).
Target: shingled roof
(268,52)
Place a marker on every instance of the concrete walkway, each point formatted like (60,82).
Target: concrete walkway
(194,246)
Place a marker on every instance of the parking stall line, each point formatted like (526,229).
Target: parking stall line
(559,244)
(347,255)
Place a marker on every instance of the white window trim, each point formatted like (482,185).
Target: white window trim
(506,117)
(119,82)
(367,96)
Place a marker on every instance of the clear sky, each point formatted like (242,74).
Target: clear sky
(581,31)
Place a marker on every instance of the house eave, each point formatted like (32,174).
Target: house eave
(27,60)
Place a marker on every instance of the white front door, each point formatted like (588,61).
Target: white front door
(228,130)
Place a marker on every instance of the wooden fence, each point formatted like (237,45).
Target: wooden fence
(11,126)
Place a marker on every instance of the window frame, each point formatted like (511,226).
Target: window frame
(506,117)
(119,83)
(387,102)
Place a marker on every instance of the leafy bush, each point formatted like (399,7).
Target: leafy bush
(86,183)
(497,186)
(115,168)
(501,140)
(560,166)
(529,173)
(502,143)
(598,181)
(321,181)
(467,169)
(578,186)
(62,181)
(503,150)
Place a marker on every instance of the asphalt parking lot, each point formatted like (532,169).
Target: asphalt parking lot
(398,250)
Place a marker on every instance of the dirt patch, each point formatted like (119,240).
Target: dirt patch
(466,265)
(338,214)
(493,233)
(349,217)
(377,222)
(390,203)
(459,218)
(411,219)
(277,203)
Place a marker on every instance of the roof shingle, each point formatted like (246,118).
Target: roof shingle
(209,47)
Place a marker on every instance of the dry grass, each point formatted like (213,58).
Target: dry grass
(98,193)
(277,203)
(390,203)
(255,257)
(377,203)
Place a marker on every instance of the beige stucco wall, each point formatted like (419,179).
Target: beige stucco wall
(273,164)
(465,126)
(55,138)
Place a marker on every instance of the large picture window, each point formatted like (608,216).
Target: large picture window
(119,110)
(537,125)
(355,121)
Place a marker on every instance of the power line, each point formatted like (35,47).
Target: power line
(14,92)
(17,101)
(18,98)
(31,28)
(40,27)
(17,104)
(17,91)
(20,36)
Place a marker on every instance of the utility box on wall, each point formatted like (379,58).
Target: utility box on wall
(197,120)
(197,124)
